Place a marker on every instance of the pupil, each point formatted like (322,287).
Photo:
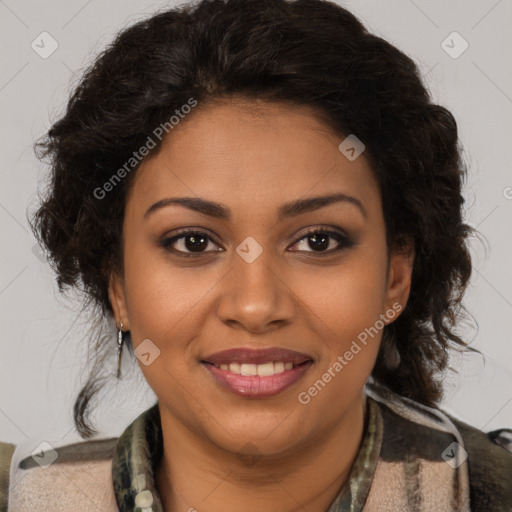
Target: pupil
(197,242)
(321,241)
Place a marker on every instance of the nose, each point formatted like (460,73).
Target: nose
(255,296)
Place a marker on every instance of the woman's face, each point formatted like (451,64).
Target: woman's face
(252,278)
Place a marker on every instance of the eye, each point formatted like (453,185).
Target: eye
(319,239)
(188,243)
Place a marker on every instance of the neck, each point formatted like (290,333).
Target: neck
(192,477)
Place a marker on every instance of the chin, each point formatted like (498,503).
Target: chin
(257,436)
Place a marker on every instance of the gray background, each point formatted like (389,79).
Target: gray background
(43,350)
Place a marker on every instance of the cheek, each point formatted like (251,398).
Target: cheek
(164,304)
(345,299)
(160,295)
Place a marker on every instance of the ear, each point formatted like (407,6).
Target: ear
(398,285)
(118,300)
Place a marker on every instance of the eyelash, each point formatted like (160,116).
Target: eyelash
(344,241)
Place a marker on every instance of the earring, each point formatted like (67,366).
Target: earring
(392,357)
(119,349)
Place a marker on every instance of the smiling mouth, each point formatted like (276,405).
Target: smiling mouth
(257,373)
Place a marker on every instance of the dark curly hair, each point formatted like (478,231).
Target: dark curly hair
(303,52)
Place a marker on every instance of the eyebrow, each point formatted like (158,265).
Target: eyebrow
(287,210)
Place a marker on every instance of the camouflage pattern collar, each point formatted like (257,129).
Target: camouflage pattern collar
(134,460)
(354,492)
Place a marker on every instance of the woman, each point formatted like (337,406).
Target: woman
(264,200)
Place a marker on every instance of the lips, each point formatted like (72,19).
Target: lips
(257,373)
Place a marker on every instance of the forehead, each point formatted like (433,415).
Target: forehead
(251,155)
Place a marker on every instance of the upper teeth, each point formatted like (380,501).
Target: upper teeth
(263,370)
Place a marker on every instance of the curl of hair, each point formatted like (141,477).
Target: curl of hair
(307,53)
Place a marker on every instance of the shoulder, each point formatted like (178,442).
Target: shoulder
(82,473)
(490,466)
(414,430)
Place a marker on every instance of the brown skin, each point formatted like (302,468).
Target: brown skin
(290,296)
